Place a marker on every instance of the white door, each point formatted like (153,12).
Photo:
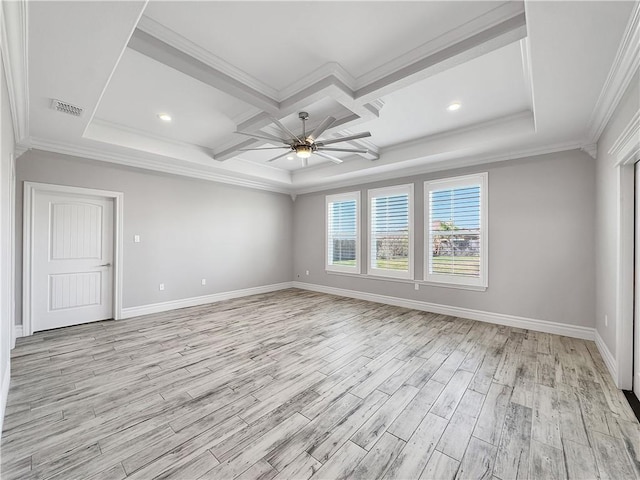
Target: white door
(72,280)
(636,321)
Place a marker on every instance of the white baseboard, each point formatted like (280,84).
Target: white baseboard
(203,300)
(16,332)
(565,329)
(607,356)
(4,394)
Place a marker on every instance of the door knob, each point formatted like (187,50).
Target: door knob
(105,265)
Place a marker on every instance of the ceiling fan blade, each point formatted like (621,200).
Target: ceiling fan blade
(279,156)
(285,129)
(265,148)
(321,143)
(329,157)
(352,150)
(264,136)
(320,129)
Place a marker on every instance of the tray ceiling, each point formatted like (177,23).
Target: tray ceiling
(527,76)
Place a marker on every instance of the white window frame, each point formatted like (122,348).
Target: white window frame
(383,192)
(341,197)
(459,182)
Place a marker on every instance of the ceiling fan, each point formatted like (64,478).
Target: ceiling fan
(306,144)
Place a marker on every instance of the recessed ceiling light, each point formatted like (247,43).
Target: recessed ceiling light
(454,106)
(165,117)
(290,157)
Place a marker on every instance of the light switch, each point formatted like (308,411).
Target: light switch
(136,239)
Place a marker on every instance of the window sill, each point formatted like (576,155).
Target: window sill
(472,288)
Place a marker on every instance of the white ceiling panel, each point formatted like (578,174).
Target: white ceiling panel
(279,42)
(142,88)
(488,87)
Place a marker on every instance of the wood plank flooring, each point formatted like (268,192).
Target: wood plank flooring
(298,385)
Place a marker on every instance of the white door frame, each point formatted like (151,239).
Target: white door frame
(626,150)
(30,190)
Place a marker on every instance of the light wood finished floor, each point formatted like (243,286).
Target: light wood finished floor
(302,385)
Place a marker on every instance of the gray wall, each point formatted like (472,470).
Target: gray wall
(541,241)
(190,229)
(607,216)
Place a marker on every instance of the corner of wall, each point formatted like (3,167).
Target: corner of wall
(607,356)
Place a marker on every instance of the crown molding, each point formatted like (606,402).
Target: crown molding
(174,39)
(496,28)
(331,70)
(199,68)
(499,15)
(626,148)
(461,162)
(464,49)
(591,150)
(141,133)
(14,18)
(525,51)
(624,67)
(201,172)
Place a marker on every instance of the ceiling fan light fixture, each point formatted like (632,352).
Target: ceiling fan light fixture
(303,151)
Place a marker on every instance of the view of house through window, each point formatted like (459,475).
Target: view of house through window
(455,247)
(390,231)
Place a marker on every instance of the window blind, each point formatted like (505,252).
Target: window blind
(342,232)
(390,235)
(455,242)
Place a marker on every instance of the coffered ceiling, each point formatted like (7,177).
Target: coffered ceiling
(527,75)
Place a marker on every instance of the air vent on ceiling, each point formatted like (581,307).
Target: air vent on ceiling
(65,107)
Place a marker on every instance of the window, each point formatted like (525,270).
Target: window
(391,231)
(456,230)
(343,232)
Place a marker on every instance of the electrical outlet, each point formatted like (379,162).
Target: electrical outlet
(416,286)
(606,320)
(161,286)
(307,272)
(203,281)
(136,239)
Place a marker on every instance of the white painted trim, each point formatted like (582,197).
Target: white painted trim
(450,183)
(626,148)
(14,44)
(449,164)
(410,281)
(546,326)
(4,393)
(623,68)
(115,66)
(607,356)
(333,71)
(16,332)
(130,312)
(30,190)
(341,197)
(408,189)
(624,276)
(170,37)
(525,51)
(12,247)
(133,159)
